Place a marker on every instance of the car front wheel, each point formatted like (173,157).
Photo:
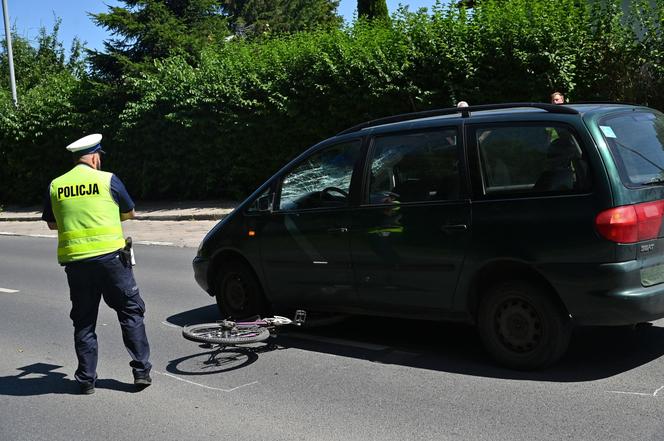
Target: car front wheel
(522,327)
(238,292)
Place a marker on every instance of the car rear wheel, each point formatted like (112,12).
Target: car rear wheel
(522,327)
(238,292)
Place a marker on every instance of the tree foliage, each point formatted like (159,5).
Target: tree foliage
(256,17)
(218,125)
(147,30)
(372,9)
(33,62)
(31,136)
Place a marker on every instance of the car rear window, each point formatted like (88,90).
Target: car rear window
(636,142)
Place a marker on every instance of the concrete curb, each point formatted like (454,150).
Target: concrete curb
(180,217)
(19,218)
(146,217)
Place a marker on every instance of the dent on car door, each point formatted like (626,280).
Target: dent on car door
(304,245)
(411,232)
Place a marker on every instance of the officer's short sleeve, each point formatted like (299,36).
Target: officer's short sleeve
(47,212)
(121,195)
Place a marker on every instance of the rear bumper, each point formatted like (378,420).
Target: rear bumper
(607,294)
(201,266)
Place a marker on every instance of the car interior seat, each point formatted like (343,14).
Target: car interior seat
(412,190)
(563,162)
(448,188)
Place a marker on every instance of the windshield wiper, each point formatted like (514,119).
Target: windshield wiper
(654,181)
(641,155)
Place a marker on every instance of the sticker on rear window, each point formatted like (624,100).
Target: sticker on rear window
(608,131)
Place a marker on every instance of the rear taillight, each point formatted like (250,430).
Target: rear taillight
(631,223)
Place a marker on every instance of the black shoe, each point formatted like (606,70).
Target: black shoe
(143,381)
(87,388)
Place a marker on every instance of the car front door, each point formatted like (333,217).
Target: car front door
(305,247)
(410,234)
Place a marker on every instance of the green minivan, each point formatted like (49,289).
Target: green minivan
(525,219)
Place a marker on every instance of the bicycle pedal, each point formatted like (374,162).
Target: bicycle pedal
(300,316)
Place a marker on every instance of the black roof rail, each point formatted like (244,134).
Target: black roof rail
(622,103)
(464,111)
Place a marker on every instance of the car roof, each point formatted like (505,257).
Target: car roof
(455,115)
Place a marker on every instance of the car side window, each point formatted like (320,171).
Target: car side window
(262,202)
(531,159)
(415,167)
(322,180)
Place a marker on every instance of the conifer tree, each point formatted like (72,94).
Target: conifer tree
(372,9)
(255,17)
(145,30)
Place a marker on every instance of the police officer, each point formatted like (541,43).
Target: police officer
(86,206)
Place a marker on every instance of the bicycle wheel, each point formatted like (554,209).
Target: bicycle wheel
(215,333)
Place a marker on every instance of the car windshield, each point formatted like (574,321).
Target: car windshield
(636,141)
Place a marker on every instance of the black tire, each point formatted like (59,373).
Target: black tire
(215,333)
(238,292)
(522,327)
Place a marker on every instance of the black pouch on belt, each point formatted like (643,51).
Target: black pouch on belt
(125,253)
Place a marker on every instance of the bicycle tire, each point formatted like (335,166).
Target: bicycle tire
(215,333)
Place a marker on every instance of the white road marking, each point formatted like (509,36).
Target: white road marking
(10,291)
(654,394)
(153,242)
(629,393)
(170,325)
(203,385)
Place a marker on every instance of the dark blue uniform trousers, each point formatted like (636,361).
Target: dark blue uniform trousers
(114,280)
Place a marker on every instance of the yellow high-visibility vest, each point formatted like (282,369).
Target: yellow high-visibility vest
(87,215)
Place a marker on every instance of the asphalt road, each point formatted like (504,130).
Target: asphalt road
(362,379)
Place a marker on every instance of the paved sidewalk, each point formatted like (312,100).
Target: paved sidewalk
(182,224)
(163,211)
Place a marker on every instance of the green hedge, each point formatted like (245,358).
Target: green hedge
(219,128)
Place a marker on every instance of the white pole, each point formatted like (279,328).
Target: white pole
(10,56)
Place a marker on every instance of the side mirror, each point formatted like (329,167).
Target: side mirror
(264,203)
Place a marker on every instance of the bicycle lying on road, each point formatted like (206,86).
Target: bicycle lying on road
(232,333)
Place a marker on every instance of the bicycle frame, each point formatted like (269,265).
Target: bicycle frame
(268,322)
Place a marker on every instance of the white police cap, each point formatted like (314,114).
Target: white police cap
(86,145)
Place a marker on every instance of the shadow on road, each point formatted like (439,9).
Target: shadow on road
(594,352)
(37,379)
(204,314)
(219,360)
(41,379)
(108,383)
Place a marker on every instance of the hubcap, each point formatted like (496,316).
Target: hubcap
(518,325)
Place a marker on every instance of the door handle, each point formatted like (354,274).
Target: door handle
(453,228)
(337,230)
